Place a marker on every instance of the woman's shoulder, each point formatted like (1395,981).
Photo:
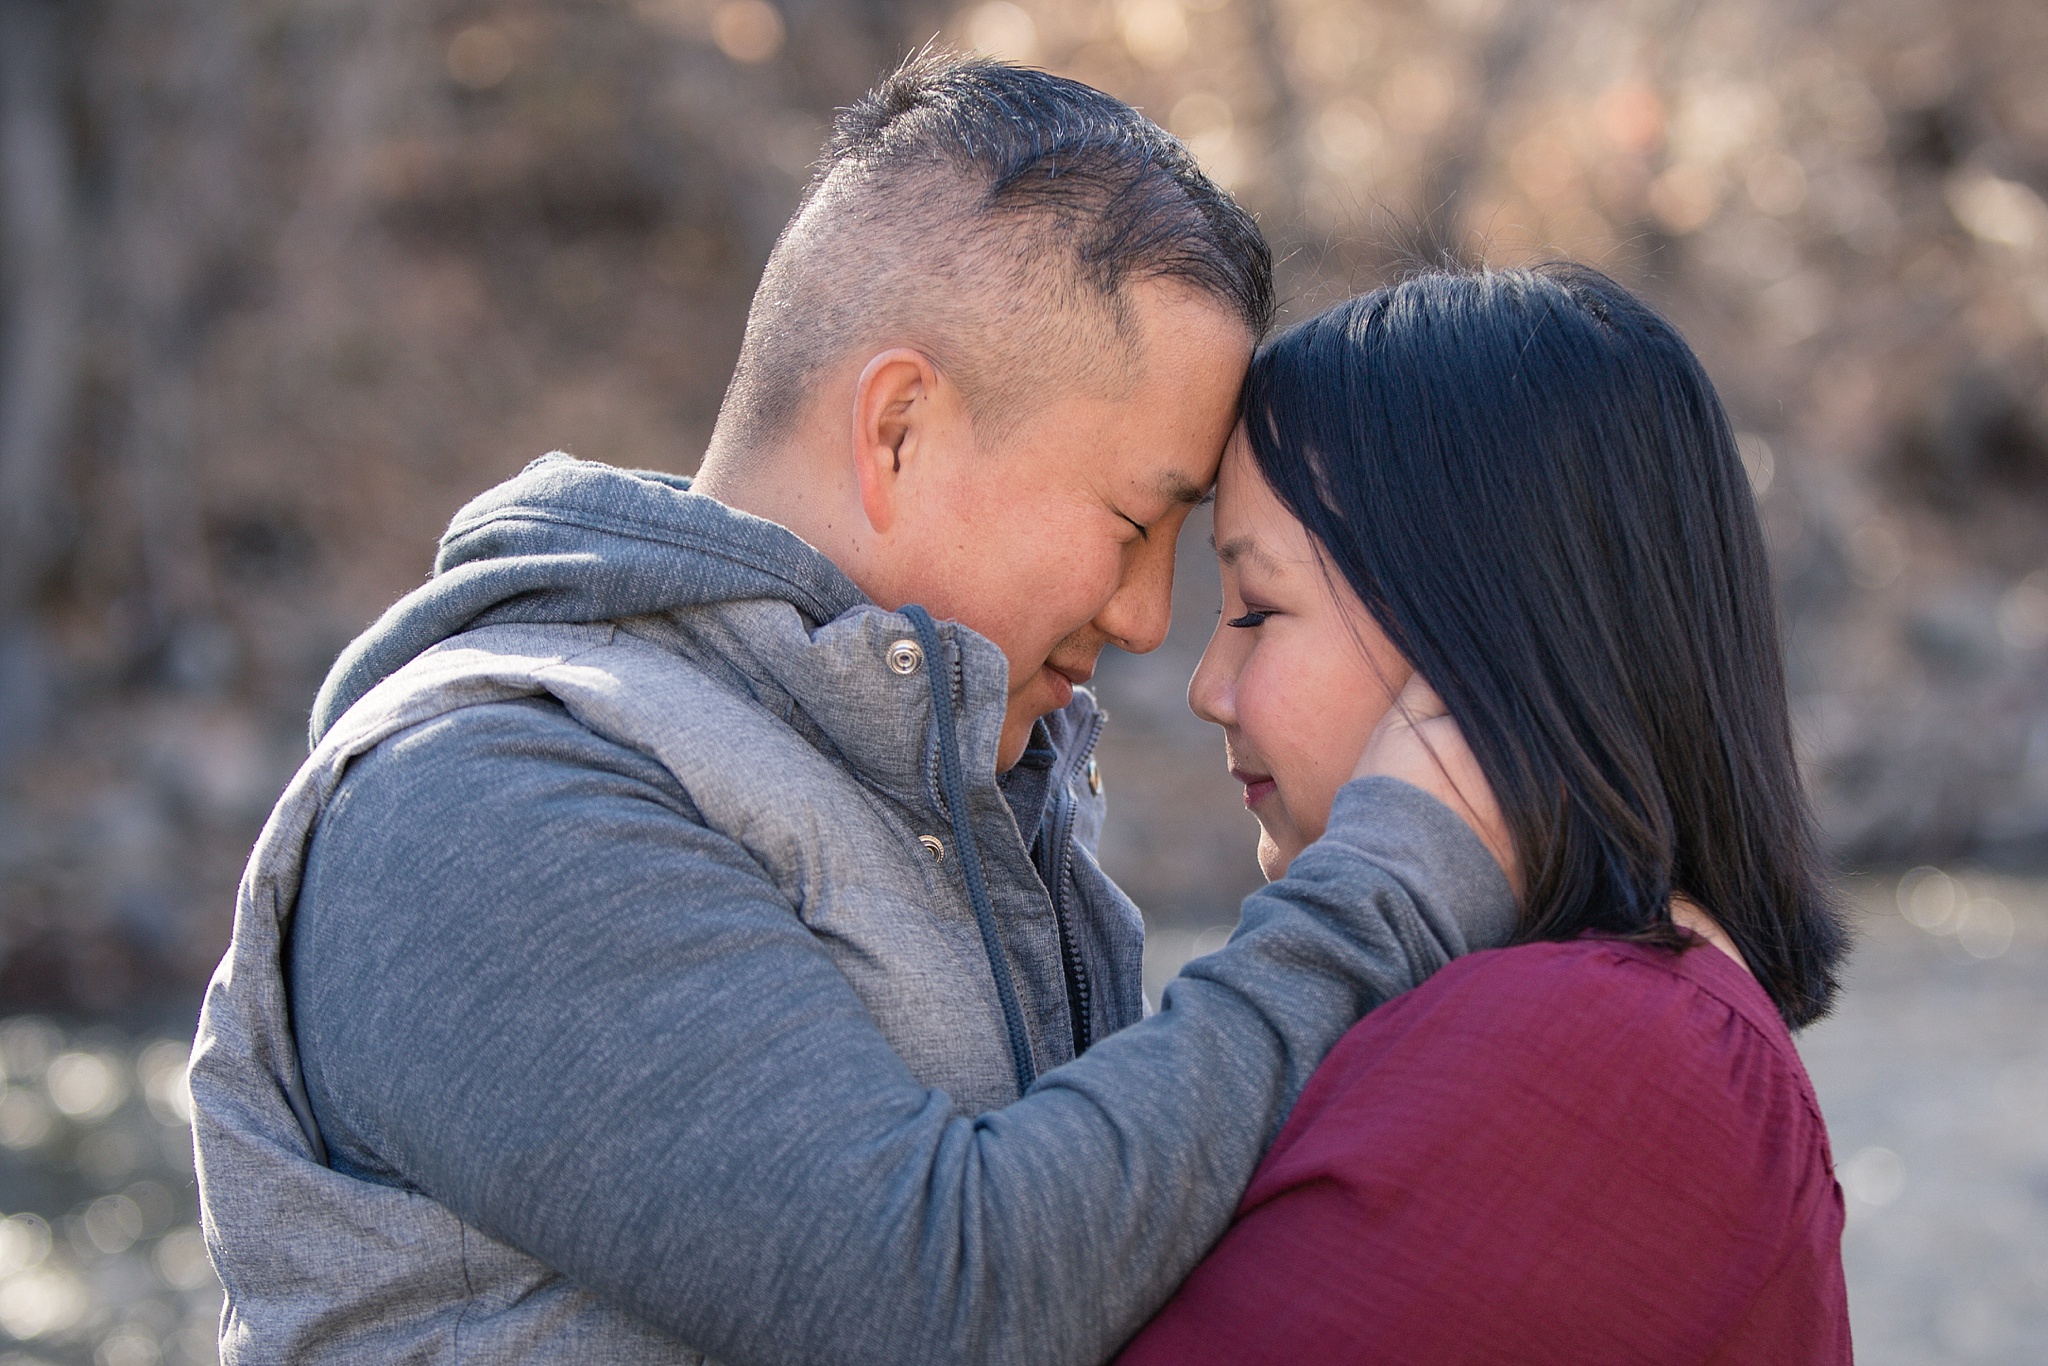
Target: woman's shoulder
(1576,1034)
(1580,990)
(1595,1150)
(1591,1085)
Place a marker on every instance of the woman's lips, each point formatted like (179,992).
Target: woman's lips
(1257,787)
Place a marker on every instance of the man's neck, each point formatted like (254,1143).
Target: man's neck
(786,488)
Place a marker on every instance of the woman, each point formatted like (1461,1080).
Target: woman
(1598,1145)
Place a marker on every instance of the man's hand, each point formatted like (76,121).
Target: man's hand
(1419,743)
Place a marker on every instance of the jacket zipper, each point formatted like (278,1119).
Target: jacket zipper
(967,852)
(1080,991)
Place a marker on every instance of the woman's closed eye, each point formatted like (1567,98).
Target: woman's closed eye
(1254,617)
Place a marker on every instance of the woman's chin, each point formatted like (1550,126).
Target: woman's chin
(1273,860)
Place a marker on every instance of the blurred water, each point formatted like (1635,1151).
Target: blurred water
(1933,1074)
(101,1259)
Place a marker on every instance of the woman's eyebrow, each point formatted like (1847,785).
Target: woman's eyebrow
(1245,547)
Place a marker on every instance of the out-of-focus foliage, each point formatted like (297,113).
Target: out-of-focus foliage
(288,280)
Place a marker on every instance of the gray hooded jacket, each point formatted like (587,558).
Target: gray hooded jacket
(649,962)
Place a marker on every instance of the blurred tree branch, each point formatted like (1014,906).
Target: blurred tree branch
(39,322)
(39,340)
(175,87)
(1460,151)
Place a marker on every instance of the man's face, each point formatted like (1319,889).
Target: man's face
(1061,540)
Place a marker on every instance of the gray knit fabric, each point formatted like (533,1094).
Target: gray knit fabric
(641,1019)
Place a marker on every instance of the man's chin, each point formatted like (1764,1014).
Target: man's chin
(1017,734)
(1012,746)
(1048,691)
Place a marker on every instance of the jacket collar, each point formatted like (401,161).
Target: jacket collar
(747,600)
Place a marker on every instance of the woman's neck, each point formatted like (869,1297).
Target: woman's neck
(1690,915)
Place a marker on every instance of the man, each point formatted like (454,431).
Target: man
(686,936)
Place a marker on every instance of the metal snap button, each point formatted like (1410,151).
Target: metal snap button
(1094,779)
(906,657)
(933,845)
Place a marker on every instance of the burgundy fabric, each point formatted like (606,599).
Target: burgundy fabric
(1581,1153)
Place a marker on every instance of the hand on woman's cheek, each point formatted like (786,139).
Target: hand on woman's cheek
(1297,674)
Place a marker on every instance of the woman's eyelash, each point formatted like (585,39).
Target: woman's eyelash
(1249,619)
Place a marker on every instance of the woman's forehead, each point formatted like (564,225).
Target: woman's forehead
(1253,527)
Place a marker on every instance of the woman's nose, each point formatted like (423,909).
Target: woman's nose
(1210,691)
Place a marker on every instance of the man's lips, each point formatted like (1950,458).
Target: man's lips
(1257,786)
(1076,674)
(1064,678)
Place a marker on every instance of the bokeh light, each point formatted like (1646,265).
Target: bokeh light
(111,1267)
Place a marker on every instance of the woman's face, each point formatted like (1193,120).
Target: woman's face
(1297,674)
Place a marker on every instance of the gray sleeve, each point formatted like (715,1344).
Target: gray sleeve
(628,1057)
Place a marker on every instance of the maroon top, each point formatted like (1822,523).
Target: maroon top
(1592,1152)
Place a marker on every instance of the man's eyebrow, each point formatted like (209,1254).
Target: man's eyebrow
(1178,489)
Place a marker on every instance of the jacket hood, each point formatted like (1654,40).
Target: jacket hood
(575,541)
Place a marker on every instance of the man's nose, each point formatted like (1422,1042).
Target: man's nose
(1138,617)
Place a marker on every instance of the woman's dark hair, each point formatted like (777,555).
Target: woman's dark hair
(1530,482)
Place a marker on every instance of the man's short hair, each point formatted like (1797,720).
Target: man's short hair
(994,217)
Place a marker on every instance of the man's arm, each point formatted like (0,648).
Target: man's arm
(529,985)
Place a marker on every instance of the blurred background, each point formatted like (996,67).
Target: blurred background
(284,282)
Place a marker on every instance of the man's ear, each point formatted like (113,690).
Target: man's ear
(892,407)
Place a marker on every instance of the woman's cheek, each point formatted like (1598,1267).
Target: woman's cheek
(1332,722)
(1269,713)
(1289,815)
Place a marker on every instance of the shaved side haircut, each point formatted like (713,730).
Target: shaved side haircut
(993,217)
